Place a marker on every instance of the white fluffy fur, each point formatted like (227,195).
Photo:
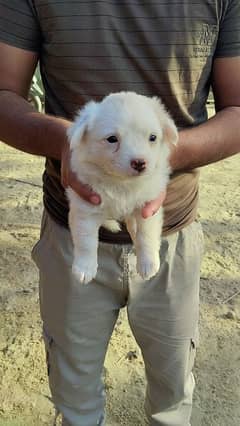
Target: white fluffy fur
(106,167)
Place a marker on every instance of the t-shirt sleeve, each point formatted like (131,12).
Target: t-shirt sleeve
(229,33)
(19,26)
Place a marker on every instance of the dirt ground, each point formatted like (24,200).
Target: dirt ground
(24,394)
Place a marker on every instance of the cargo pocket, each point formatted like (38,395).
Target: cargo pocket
(44,232)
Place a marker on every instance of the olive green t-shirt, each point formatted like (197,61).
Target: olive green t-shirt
(88,49)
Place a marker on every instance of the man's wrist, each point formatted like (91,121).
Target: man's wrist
(182,156)
(176,153)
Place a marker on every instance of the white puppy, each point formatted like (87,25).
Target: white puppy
(119,147)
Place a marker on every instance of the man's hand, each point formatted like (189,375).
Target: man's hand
(69,178)
(152,207)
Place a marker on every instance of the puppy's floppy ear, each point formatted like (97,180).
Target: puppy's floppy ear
(170,133)
(81,124)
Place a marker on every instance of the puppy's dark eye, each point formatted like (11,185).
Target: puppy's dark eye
(152,138)
(112,139)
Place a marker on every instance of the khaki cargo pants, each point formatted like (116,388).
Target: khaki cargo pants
(78,322)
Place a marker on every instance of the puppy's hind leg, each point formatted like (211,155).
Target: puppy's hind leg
(131,225)
(84,230)
(148,241)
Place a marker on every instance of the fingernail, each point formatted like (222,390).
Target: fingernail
(95,199)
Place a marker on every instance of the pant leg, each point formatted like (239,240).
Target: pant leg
(78,321)
(163,315)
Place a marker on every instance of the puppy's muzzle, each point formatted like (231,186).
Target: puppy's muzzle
(138,164)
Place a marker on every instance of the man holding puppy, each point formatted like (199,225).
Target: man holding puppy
(87,50)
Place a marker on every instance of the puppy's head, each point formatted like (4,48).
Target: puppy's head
(124,135)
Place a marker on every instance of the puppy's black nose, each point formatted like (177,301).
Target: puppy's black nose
(138,164)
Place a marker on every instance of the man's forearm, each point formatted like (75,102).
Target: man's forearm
(29,131)
(207,143)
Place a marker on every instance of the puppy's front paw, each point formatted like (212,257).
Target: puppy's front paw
(147,267)
(84,272)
